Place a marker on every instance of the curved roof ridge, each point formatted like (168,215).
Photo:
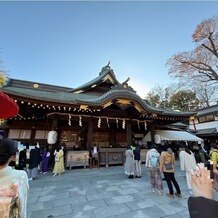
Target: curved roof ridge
(123,93)
(119,92)
(104,72)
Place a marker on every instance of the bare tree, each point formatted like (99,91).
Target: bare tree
(202,62)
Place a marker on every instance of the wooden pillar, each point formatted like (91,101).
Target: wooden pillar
(32,136)
(54,124)
(129,133)
(152,132)
(90,134)
(112,137)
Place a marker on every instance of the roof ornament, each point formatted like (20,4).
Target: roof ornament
(105,68)
(125,83)
(108,65)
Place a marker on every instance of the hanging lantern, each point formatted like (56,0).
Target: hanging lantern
(145,124)
(157,139)
(52,137)
(123,124)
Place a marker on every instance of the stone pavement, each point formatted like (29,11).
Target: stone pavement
(103,192)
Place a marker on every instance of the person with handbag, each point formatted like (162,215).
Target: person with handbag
(167,160)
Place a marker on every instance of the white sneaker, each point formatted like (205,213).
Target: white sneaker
(30,179)
(54,175)
(153,190)
(45,173)
(159,192)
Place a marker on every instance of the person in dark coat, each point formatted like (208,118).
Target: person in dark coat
(22,160)
(137,159)
(34,161)
(63,147)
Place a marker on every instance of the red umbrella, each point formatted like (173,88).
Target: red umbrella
(8,108)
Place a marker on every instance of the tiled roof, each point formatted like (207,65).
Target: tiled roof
(207,131)
(208,110)
(58,94)
(62,97)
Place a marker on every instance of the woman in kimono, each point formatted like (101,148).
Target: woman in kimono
(13,183)
(45,158)
(59,162)
(187,164)
(129,164)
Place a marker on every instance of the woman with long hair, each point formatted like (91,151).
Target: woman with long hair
(59,161)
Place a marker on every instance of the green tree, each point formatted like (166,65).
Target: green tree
(153,99)
(160,94)
(184,101)
(202,62)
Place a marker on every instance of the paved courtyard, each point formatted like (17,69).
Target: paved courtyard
(103,192)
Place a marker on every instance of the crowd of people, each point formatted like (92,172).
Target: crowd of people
(39,159)
(14,183)
(197,166)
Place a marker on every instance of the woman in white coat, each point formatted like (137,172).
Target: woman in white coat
(187,164)
(129,163)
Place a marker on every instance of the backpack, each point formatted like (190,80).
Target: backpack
(154,160)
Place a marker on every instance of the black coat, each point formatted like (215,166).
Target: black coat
(22,159)
(200,207)
(35,158)
(136,153)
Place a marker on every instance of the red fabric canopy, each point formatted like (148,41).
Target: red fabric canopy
(8,108)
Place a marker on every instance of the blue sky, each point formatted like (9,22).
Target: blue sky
(67,43)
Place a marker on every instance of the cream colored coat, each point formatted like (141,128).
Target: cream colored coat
(187,163)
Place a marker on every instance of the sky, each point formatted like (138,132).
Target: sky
(67,43)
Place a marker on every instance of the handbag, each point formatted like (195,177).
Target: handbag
(168,166)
